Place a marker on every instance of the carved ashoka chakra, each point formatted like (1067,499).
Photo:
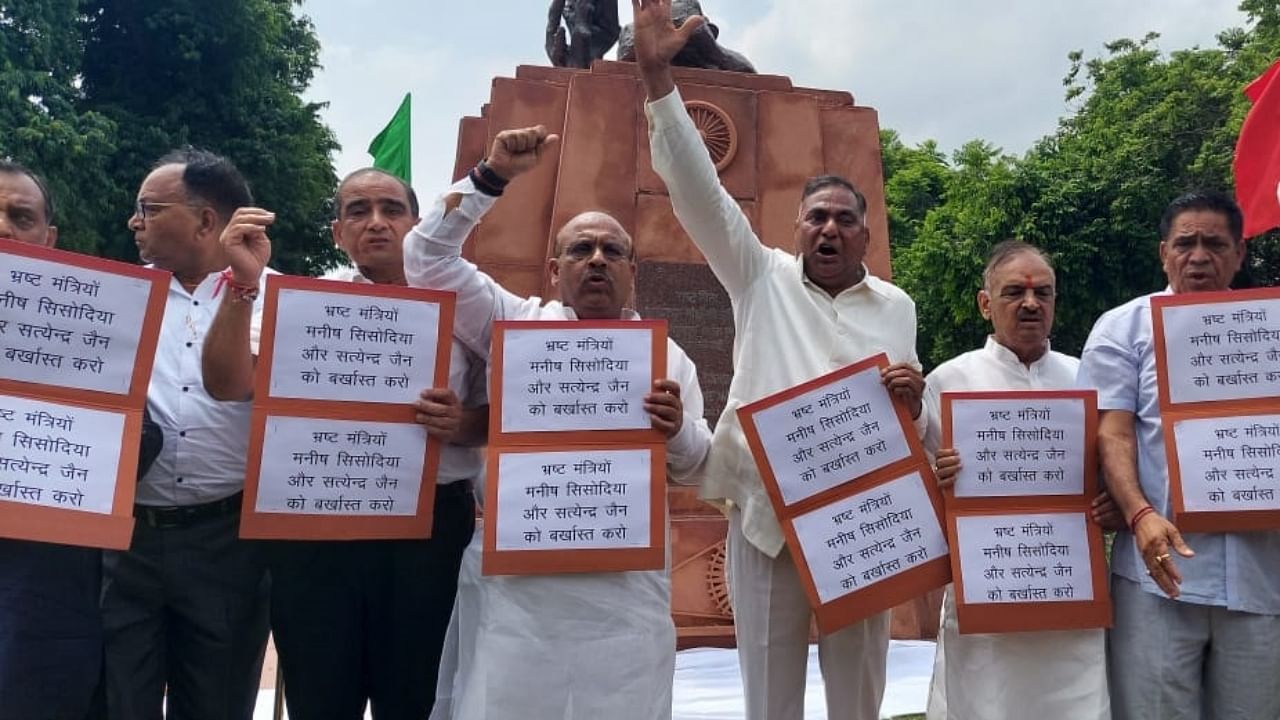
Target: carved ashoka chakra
(717,131)
(717,583)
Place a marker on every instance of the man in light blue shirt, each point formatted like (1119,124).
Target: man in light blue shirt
(1197,619)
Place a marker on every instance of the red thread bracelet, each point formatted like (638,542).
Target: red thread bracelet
(1133,522)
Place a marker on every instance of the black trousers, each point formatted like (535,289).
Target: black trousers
(185,609)
(364,621)
(50,630)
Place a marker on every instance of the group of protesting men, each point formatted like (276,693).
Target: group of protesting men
(180,619)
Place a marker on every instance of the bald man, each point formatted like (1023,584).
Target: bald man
(569,647)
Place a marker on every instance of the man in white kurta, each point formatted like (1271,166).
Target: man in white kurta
(796,316)
(570,646)
(1052,675)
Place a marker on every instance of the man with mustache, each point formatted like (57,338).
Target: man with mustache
(362,622)
(797,316)
(185,607)
(1196,634)
(1004,676)
(556,647)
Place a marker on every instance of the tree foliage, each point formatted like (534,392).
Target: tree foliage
(97,90)
(1147,126)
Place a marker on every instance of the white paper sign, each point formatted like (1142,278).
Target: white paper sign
(69,326)
(579,500)
(359,348)
(1041,557)
(315,466)
(1229,463)
(854,543)
(1019,446)
(1223,351)
(831,435)
(576,379)
(59,456)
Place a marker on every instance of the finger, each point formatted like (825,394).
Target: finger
(661,400)
(691,26)
(667,412)
(670,387)
(1179,544)
(550,143)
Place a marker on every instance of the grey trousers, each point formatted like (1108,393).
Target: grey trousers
(184,609)
(1170,660)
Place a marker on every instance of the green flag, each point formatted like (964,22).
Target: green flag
(390,149)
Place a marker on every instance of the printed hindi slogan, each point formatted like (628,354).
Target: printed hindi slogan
(1222,350)
(1229,463)
(1019,446)
(591,499)
(559,378)
(1024,558)
(356,348)
(317,466)
(829,435)
(59,455)
(76,326)
(869,537)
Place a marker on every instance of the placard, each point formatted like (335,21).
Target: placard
(1019,445)
(853,491)
(576,472)
(1018,570)
(574,376)
(1025,553)
(77,340)
(1218,371)
(334,452)
(584,508)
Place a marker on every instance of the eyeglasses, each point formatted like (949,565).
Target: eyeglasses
(146,210)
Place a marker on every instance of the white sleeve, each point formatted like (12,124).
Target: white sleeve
(687,449)
(433,259)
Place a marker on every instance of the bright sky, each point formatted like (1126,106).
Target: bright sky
(941,69)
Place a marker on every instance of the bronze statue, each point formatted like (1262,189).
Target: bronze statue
(593,28)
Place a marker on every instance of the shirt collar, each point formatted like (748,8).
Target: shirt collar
(868,281)
(1008,357)
(569,314)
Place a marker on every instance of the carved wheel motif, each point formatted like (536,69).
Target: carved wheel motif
(717,131)
(717,581)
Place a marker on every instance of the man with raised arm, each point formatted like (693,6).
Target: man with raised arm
(363,622)
(797,316)
(1004,676)
(1196,634)
(572,646)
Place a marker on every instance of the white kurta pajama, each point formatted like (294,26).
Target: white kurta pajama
(584,646)
(1055,675)
(786,330)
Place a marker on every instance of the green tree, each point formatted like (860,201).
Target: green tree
(221,75)
(43,123)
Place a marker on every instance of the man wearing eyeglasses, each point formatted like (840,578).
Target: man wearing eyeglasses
(184,608)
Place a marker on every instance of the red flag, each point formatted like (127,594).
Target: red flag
(1257,164)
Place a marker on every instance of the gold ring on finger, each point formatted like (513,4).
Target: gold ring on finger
(1162,557)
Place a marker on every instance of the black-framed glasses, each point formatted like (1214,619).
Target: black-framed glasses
(147,210)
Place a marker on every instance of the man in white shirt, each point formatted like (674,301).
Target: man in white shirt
(185,608)
(363,622)
(1045,675)
(572,646)
(796,316)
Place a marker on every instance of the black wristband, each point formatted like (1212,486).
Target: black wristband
(492,181)
(481,185)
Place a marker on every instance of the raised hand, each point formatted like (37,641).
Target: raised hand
(657,41)
(246,243)
(514,152)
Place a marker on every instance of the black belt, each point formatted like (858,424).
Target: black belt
(453,489)
(168,518)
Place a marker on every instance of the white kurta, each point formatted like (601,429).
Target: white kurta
(553,647)
(1058,675)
